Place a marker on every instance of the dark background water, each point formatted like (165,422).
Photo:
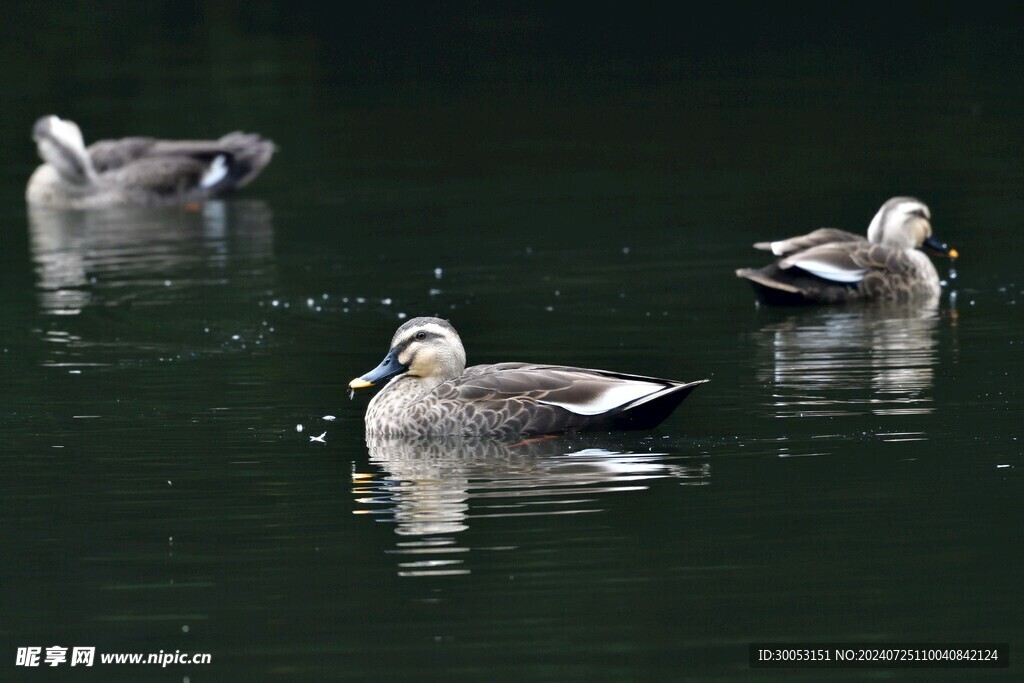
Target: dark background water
(566,185)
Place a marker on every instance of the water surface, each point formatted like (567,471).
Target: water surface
(847,475)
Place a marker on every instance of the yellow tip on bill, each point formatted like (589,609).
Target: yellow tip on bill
(953,253)
(359,383)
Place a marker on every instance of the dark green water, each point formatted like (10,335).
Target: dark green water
(561,196)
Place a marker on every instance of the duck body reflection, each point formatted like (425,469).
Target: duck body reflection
(829,362)
(104,278)
(78,252)
(433,487)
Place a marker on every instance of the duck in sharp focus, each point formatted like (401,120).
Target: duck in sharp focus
(831,266)
(139,170)
(433,393)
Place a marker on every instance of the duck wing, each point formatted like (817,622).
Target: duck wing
(831,273)
(168,177)
(204,168)
(245,155)
(849,262)
(816,238)
(544,399)
(108,155)
(842,262)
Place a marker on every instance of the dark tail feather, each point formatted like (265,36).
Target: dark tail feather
(652,413)
(795,287)
(250,155)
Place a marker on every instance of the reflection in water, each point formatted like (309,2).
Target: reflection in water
(120,262)
(432,488)
(878,360)
(78,253)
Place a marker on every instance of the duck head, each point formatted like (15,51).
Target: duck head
(905,223)
(60,144)
(427,348)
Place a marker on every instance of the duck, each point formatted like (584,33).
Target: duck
(139,170)
(432,393)
(833,266)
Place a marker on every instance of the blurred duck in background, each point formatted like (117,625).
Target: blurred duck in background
(139,170)
(831,266)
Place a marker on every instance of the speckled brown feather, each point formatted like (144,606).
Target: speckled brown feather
(502,400)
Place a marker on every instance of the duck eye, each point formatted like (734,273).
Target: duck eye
(421,335)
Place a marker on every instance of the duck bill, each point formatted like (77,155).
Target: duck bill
(389,367)
(940,248)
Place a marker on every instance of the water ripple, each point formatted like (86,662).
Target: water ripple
(870,360)
(433,489)
(101,275)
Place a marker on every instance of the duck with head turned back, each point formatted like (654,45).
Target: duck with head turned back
(139,170)
(431,392)
(830,266)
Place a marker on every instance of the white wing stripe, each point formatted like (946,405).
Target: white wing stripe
(215,172)
(611,398)
(830,271)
